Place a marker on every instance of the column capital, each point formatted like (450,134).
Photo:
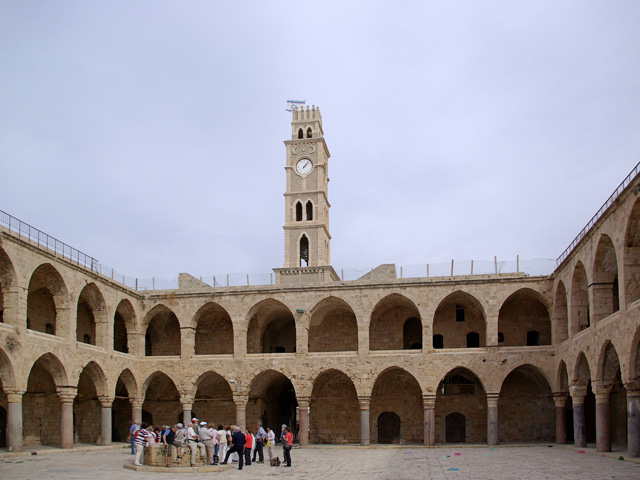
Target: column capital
(14,396)
(599,388)
(578,393)
(67,394)
(633,393)
(429,402)
(136,402)
(492,399)
(560,399)
(240,400)
(303,402)
(364,401)
(105,401)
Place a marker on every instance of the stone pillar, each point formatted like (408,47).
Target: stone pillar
(560,399)
(303,410)
(633,423)
(186,413)
(67,395)
(365,432)
(429,405)
(603,420)
(240,339)
(578,393)
(187,342)
(491,330)
(14,421)
(492,418)
(241,410)
(105,420)
(136,409)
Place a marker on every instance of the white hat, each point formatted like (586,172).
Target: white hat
(194,420)
(203,423)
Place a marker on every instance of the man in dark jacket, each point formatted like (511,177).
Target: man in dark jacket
(237,445)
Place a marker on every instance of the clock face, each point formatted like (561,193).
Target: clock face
(304,166)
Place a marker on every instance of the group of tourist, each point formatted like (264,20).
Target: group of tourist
(211,443)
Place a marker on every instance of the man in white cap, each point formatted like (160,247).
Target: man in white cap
(193,439)
(207,438)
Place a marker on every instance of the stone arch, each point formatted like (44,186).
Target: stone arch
(610,378)
(124,323)
(333,326)
(526,410)
(633,362)
(522,312)
(461,391)
(272,328)
(582,377)
(7,372)
(397,391)
(560,324)
(47,299)
(632,255)
(458,315)
(333,391)
(579,311)
(126,389)
(562,378)
(92,384)
(214,330)
(213,399)
(91,318)
(162,336)
(387,322)
(7,279)
(272,400)
(161,400)
(41,405)
(606,295)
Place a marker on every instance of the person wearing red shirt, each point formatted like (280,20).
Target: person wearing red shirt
(248,445)
(286,447)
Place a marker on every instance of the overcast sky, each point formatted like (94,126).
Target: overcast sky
(149,134)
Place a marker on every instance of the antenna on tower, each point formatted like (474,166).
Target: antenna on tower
(293,104)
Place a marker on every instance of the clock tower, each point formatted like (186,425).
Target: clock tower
(306,222)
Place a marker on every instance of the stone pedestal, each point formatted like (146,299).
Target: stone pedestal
(156,456)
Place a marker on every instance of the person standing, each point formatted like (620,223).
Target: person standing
(237,446)
(261,437)
(248,445)
(142,440)
(133,429)
(194,442)
(222,440)
(271,440)
(287,442)
(207,438)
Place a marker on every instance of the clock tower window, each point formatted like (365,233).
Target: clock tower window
(309,132)
(298,212)
(304,251)
(309,210)
(300,133)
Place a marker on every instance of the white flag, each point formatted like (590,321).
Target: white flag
(292,104)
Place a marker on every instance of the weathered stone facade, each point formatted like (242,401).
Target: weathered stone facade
(483,359)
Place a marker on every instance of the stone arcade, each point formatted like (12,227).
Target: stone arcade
(480,359)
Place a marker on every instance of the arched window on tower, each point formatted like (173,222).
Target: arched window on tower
(309,210)
(298,212)
(300,133)
(304,251)
(309,132)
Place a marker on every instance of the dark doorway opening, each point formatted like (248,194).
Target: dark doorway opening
(456,428)
(389,428)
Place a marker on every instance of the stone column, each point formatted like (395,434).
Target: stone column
(365,432)
(492,418)
(603,421)
(136,409)
(187,403)
(560,399)
(303,410)
(67,395)
(429,405)
(633,423)
(491,330)
(105,420)
(241,410)
(14,421)
(187,342)
(578,393)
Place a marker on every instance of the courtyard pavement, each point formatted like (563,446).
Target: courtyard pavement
(346,463)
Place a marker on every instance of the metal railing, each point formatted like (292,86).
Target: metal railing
(625,183)
(24,230)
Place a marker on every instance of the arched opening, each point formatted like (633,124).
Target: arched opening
(304,251)
(123,317)
(161,400)
(389,428)
(300,133)
(560,315)
(582,377)
(611,380)
(91,312)
(272,400)
(458,315)
(632,255)
(388,319)
(333,327)
(163,333)
(524,311)
(396,391)
(7,273)
(526,412)
(214,399)
(605,280)
(562,387)
(309,210)
(272,328)
(121,416)
(47,294)
(473,340)
(86,406)
(335,412)
(580,315)
(412,334)
(214,331)
(460,392)
(298,211)
(455,428)
(309,135)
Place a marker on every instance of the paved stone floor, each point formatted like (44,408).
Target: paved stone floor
(322,463)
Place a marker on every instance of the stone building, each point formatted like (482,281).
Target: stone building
(481,358)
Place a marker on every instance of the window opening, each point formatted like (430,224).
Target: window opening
(533,338)
(298,212)
(304,251)
(438,341)
(457,384)
(48,328)
(300,133)
(86,338)
(500,337)
(309,132)
(460,314)
(309,210)
(473,340)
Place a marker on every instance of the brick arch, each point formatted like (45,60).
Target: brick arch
(562,378)
(333,326)
(459,314)
(91,317)
(271,328)
(272,399)
(608,363)
(47,297)
(579,314)
(606,294)
(334,391)
(560,322)
(124,324)
(581,374)
(632,255)
(161,400)
(387,321)
(213,330)
(523,312)
(92,384)
(162,333)
(213,399)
